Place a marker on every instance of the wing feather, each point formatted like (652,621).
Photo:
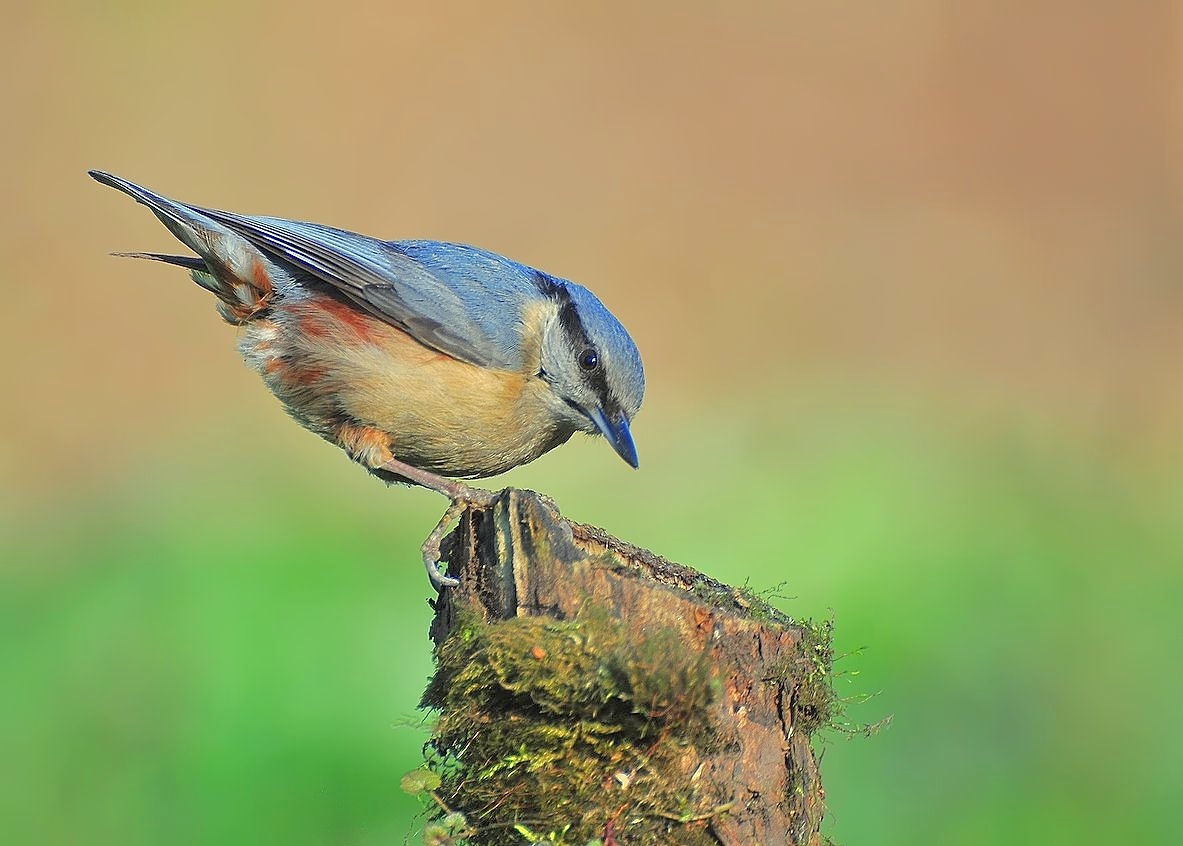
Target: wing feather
(459,300)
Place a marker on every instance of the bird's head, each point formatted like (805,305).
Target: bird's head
(591,366)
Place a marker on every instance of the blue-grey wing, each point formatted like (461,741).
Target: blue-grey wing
(460,300)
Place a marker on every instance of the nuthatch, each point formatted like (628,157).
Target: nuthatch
(420,359)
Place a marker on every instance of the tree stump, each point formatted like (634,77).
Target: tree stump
(589,689)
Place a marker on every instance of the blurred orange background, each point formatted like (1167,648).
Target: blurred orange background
(881,260)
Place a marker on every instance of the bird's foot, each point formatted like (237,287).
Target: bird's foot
(431,547)
(462,496)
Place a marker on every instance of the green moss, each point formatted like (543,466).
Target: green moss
(809,673)
(582,704)
(815,702)
(742,600)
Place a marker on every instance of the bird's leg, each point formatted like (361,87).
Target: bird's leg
(453,490)
(462,496)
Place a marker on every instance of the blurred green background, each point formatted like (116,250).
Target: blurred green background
(907,280)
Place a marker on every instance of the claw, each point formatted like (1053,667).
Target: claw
(431,547)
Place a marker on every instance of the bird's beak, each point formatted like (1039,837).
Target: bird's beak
(615,429)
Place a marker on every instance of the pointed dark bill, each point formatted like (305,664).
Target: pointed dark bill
(617,432)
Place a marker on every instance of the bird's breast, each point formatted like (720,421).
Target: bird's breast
(331,363)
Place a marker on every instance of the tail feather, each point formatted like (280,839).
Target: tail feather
(227,264)
(181,220)
(187,262)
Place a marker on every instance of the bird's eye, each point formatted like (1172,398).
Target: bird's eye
(590,359)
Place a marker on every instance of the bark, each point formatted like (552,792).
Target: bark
(588,685)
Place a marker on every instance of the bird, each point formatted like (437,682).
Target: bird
(427,362)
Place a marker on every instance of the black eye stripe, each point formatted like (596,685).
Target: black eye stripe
(597,380)
(595,377)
